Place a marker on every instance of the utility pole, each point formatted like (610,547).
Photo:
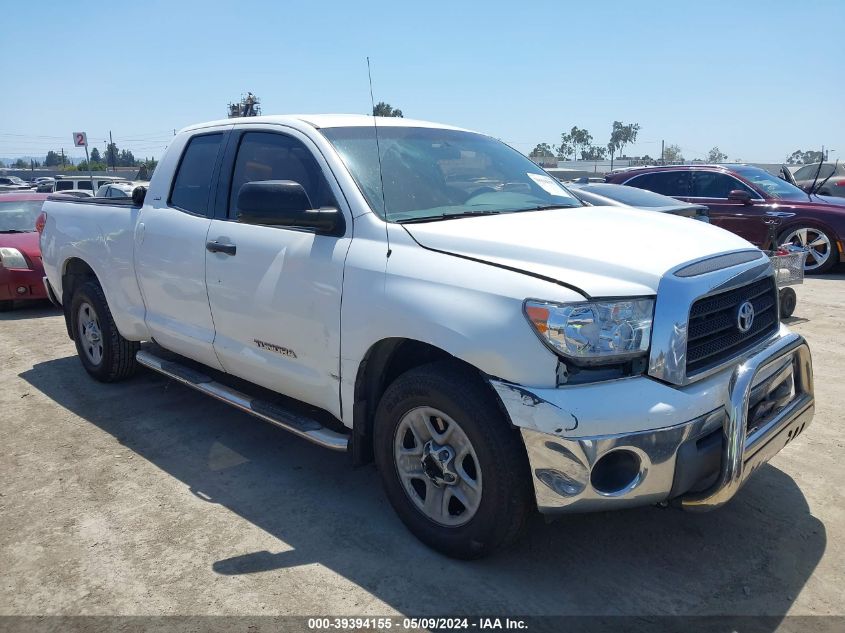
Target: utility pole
(662,150)
(111,152)
(63,158)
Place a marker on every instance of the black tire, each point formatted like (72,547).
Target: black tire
(507,498)
(5,306)
(829,263)
(117,360)
(788,300)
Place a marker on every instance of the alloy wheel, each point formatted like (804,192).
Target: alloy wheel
(818,246)
(90,335)
(438,466)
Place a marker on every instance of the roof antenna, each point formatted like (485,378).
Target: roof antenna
(378,151)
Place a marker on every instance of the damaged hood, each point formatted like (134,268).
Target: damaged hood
(605,251)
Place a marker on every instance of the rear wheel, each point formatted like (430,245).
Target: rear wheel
(822,254)
(453,469)
(104,353)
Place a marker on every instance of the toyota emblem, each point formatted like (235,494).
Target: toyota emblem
(745,317)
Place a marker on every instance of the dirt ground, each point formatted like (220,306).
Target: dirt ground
(147,498)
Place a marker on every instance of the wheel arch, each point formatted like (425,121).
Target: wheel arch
(75,272)
(383,363)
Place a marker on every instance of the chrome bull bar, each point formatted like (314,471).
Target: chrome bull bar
(743,453)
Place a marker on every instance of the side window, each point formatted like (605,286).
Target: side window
(708,184)
(192,183)
(804,173)
(826,170)
(64,185)
(83,184)
(271,156)
(668,183)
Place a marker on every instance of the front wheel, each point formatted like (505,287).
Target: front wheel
(822,254)
(104,353)
(453,469)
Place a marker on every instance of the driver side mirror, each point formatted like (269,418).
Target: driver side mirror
(138,196)
(285,203)
(738,195)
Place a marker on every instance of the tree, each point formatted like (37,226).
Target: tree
(566,147)
(111,154)
(95,156)
(20,164)
(620,136)
(579,138)
(594,152)
(542,150)
(125,158)
(84,166)
(715,155)
(53,159)
(799,157)
(385,109)
(672,154)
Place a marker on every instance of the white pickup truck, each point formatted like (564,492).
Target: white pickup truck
(429,298)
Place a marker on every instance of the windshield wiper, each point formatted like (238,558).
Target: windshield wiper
(447,216)
(549,207)
(15,231)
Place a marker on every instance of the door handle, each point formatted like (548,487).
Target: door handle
(217,247)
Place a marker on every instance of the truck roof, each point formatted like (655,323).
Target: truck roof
(326,121)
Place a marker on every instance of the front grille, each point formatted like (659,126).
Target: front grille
(714,335)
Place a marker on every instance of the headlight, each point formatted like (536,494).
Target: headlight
(594,331)
(12,258)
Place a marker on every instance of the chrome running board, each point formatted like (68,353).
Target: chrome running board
(297,424)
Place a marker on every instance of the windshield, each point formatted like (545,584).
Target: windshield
(431,173)
(19,217)
(772,186)
(632,196)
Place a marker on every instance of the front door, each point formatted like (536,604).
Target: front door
(712,188)
(170,249)
(275,291)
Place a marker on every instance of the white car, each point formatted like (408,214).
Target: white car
(83,183)
(452,311)
(119,189)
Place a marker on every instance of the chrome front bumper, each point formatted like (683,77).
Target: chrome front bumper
(563,454)
(743,453)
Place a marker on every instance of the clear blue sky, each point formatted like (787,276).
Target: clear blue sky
(758,78)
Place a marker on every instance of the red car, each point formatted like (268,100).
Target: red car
(743,198)
(21,272)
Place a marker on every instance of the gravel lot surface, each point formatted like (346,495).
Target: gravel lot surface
(147,498)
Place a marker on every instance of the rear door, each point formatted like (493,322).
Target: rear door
(275,295)
(170,249)
(711,188)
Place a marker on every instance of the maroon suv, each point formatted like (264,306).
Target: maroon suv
(744,199)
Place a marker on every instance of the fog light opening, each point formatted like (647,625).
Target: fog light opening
(22,290)
(615,472)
